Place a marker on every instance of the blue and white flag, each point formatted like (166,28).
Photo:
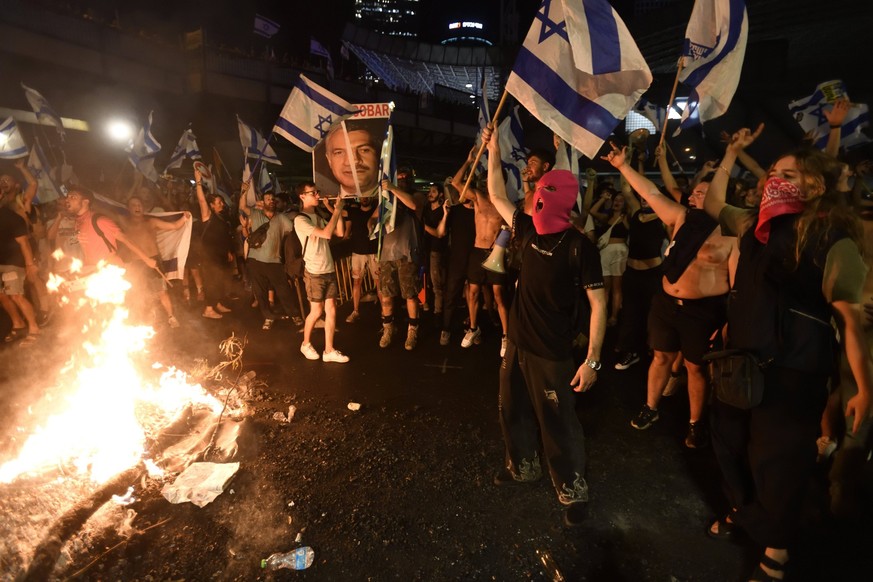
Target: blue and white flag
(809,113)
(186,149)
(309,113)
(12,144)
(579,71)
(484,120)
(317,49)
(654,113)
(249,190)
(47,188)
(713,53)
(265,183)
(173,245)
(142,151)
(43,110)
(255,145)
(265,27)
(513,154)
(387,200)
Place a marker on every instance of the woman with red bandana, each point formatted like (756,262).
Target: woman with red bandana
(800,264)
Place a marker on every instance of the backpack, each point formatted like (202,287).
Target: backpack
(258,237)
(94,218)
(294,252)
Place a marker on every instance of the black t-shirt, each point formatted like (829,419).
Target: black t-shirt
(432,218)
(217,239)
(360,234)
(646,237)
(540,320)
(12,226)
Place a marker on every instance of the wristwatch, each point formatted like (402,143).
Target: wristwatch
(593,364)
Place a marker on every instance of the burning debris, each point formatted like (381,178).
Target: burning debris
(113,420)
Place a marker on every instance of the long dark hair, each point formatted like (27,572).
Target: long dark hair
(828,212)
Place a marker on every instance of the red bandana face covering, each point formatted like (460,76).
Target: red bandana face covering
(554,197)
(779,197)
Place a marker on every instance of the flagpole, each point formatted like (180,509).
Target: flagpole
(491,124)
(679,68)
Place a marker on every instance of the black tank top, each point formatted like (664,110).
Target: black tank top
(646,238)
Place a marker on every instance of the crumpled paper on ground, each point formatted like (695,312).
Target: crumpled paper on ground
(200,483)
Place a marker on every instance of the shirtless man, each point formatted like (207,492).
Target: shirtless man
(692,305)
(142,231)
(488,223)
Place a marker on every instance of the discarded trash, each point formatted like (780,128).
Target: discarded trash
(354,406)
(200,483)
(125,499)
(549,565)
(291,410)
(282,418)
(299,538)
(279,416)
(298,559)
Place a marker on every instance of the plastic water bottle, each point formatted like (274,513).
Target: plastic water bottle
(298,559)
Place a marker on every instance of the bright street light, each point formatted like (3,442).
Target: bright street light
(120,130)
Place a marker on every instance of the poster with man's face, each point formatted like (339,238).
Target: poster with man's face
(334,171)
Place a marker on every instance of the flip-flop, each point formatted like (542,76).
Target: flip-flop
(29,340)
(721,529)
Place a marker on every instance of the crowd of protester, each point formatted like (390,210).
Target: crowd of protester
(677,268)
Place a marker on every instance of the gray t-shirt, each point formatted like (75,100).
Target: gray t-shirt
(280,225)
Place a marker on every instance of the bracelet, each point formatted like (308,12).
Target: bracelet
(198,183)
(726,171)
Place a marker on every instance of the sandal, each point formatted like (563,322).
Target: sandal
(722,529)
(29,340)
(14,334)
(761,575)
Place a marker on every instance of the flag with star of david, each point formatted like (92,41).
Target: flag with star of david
(713,53)
(44,111)
(48,187)
(513,155)
(185,149)
(309,113)
(579,71)
(255,145)
(12,145)
(809,114)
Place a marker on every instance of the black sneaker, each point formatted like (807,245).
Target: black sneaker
(575,514)
(629,359)
(696,437)
(646,418)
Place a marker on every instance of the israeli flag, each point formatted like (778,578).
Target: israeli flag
(43,110)
(513,154)
(12,145)
(579,71)
(387,200)
(47,188)
(309,113)
(185,149)
(255,144)
(713,53)
(265,27)
(809,113)
(142,151)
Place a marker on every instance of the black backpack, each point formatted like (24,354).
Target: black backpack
(294,252)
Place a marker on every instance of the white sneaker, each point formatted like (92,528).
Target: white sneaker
(502,346)
(353,317)
(334,356)
(310,352)
(444,338)
(411,338)
(473,336)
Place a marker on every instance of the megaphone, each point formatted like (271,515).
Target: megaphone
(494,262)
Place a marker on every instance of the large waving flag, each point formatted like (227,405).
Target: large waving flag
(387,200)
(579,71)
(43,110)
(809,113)
(255,144)
(186,149)
(713,53)
(142,151)
(512,153)
(12,144)
(47,188)
(309,113)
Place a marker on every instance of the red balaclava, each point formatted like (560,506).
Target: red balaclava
(553,199)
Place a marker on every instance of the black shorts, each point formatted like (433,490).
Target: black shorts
(479,275)
(685,325)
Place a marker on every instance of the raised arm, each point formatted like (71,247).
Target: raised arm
(458,180)
(716,196)
(669,211)
(440,230)
(411,200)
(496,183)
(30,189)
(334,225)
(205,211)
(835,116)
(175,225)
(666,176)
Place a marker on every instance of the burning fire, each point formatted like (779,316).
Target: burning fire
(108,410)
